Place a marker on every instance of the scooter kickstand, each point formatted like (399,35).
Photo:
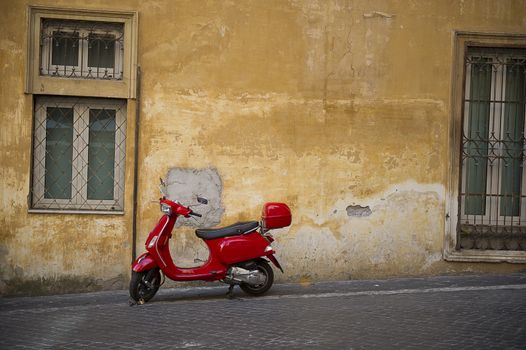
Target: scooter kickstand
(230,293)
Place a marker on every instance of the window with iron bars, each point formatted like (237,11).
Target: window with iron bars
(79,154)
(81,49)
(492,199)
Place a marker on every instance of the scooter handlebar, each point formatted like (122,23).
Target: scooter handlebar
(195,214)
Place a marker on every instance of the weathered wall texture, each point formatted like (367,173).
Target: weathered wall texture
(339,108)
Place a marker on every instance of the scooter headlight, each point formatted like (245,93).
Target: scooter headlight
(165,208)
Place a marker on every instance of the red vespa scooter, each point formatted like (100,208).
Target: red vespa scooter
(237,252)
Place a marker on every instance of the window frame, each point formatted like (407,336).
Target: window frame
(50,85)
(493,181)
(461,41)
(46,54)
(79,203)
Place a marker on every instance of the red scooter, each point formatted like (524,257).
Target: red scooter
(237,252)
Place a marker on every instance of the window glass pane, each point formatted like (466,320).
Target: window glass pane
(101,154)
(101,50)
(59,151)
(65,48)
(476,147)
(512,136)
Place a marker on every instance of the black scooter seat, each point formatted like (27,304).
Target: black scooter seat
(236,229)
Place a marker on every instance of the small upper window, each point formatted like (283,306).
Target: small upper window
(82,49)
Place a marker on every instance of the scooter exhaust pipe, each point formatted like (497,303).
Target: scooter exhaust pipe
(238,275)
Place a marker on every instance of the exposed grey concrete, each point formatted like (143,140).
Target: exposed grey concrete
(184,185)
(358,211)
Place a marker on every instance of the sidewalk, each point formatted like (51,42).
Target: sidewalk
(461,312)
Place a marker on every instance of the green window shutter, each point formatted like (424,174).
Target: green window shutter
(59,153)
(101,51)
(65,48)
(512,136)
(476,147)
(101,154)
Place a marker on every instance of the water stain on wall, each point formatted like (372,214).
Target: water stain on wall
(338,108)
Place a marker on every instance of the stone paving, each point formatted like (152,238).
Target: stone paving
(460,312)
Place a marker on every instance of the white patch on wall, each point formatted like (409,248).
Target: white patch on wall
(185,185)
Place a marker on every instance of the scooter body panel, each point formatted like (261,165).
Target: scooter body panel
(212,270)
(236,249)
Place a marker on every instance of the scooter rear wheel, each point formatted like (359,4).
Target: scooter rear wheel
(262,288)
(144,285)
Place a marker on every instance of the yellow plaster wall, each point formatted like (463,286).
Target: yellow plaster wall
(320,104)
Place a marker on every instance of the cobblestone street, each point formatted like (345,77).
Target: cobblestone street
(460,312)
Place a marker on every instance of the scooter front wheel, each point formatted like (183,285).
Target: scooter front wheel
(262,288)
(144,285)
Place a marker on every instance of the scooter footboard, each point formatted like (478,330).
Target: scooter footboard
(144,262)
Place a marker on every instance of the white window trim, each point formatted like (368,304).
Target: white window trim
(79,200)
(461,40)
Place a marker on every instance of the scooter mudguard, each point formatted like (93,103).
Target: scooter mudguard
(275,262)
(144,262)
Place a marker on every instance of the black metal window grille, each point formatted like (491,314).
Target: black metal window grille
(79,154)
(492,201)
(81,49)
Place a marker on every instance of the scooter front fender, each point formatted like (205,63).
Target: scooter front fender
(144,262)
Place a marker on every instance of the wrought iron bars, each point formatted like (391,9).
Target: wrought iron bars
(493,179)
(81,49)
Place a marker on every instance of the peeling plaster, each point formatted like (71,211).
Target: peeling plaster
(185,185)
(358,211)
(403,236)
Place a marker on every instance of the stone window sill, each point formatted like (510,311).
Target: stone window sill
(88,212)
(473,255)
